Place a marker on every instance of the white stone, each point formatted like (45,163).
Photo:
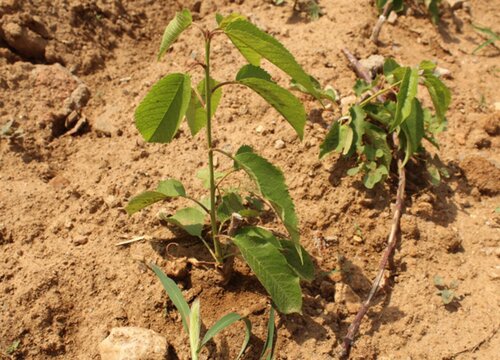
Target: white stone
(279,144)
(133,343)
(392,18)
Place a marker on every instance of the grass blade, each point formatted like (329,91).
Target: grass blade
(175,294)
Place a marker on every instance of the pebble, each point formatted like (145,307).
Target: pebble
(497,106)
(260,129)
(279,144)
(79,240)
(133,343)
(392,18)
(443,72)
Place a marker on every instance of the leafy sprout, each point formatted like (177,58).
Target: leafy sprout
(363,134)
(492,37)
(279,262)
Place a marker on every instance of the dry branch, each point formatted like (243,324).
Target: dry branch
(392,240)
(381,20)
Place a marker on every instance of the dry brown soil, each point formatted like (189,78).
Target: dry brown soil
(63,281)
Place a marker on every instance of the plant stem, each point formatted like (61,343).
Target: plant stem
(380,92)
(389,250)
(208,97)
(381,20)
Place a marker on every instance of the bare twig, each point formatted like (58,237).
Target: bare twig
(357,67)
(133,240)
(381,20)
(391,245)
(473,349)
(392,240)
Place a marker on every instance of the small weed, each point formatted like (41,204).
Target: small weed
(430,6)
(492,37)
(446,291)
(191,318)
(13,347)
(10,131)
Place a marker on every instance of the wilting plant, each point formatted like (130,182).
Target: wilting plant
(278,262)
(389,123)
(365,134)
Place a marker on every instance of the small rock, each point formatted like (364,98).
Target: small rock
(279,144)
(260,129)
(133,343)
(103,127)
(392,18)
(24,41)
(373,63)
(497,106)
(443,72)
(112,201)
(481,173)
(495,273)
(79,240)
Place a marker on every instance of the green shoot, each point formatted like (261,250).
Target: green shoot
(365,133)
(191,318)
(278,263)
(492,37)
(446,291)
(268,350)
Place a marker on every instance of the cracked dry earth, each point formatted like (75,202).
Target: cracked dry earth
(72,73)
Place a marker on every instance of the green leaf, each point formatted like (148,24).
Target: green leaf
(281,99)
(378,138)
(413,130)
(433,8)
(447,296)
(361,87)
(271,183)
(305,269)
(231,203)
(389,66)
(175,294)
(427,66)
(196,114)
(171,188)
(249,39)
(160,113)
(190,219)
(406,94)
(268,350)
(166,189)
(332,140)
(440,95)
(204,175)
(194,329)
(252,71)
(375,175)
(224,322)
(175,27)
(272,270)
(358,125)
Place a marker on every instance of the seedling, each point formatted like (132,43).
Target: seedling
(9,130)
(278,263)
(446,291)
(191,318)
(431,6)
(311,7)
(492,36)
(365,133)
(388,122)
(268,350)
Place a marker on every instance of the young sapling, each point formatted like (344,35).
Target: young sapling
(279,263)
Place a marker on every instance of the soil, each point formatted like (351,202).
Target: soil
(72,73)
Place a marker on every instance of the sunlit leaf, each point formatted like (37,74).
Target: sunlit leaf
(190,219)
(272,269)
(175,27)
(160,113)
(196,113)
(175,294)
